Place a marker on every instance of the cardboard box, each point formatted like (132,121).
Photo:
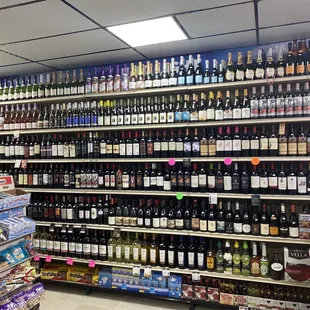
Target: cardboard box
(253,302)
(297,265)
(302,306)
(304,226)
(10,197)
(290,305)
(227,299)
(240,300)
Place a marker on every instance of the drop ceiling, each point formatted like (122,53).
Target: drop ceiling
(45,35)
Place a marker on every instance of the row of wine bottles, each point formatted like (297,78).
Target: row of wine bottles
(159,109)
(160,144)
(142,76)
(163,178)
(168,214)
(181,252)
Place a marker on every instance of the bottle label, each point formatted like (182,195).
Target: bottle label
(306,104)
(264,144)
(262,107)
(202,115)
(254,144)
(211,181)
(228,114)
(249,74)
(219,115)
(230,76)
(293,232)
(206,79)
(246,228)
(273,144)
(212,226)
(245,144)
(173,81)
(203,225)
(282,184)
(237,112)
(302,185)
(246,112)
(302,146)
(237,145)
(180,259)
(289,106)
(220,145)
(181,80)
(238,228)
(292,183)
(170,257)
(298,105)
(264,229)
(210,114)
(276,266)
(255,268)
(220,225)
(263,182)
(280,72)
(254,108)
(191,259)
(227,183)
(255,182)
(162,257)
(201,260)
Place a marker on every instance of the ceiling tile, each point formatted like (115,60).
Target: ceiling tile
(199,45)
(21,69)
(40,20)
(7,59)
(5,3)
(111,12)
(283,33)
(93,41)
(287,12)
(94,59)
(206,23)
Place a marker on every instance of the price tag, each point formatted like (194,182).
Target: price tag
(91,263)
(48,258)
(36,258)
(17,163)
(70,261)
(24,164)
(195,276)
(187,162)
(213,198)
(171,162)
(136,271)
(179,196)
(243,308)
(282,129)
(124,287)
(166,273)
(52,228)
(16,134)
(148,272)
(255,200)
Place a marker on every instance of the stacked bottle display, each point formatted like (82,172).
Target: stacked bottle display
(229,141)
(286,179)
(149,75)
(194,215)
(161,109)
(229,257)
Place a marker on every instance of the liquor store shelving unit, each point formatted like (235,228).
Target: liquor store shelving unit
(158,91)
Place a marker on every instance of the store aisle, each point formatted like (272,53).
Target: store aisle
(74,298)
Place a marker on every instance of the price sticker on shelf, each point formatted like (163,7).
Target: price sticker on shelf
(166,273)
(36,258)
(16,134)
(148,271)
(17,163)
(213,198)
(70,229)
(83,229)
(48,259)
(171,161)
(243,308)
(195,276)
(255,200)
(91,263)
(136,271)
(70,261)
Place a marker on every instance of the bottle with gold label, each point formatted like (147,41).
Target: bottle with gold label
(140,77)
(240,68)
(148,83)
(300,61)
(164,82)
(132,78)
(255,262)
(230,70)
(211,107)
(260,68)
(249,70)
(274,223)
(290,62)
(202,114)
(211,266)
(157,75)
(280,67)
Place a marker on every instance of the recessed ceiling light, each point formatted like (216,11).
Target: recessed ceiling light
(148,32)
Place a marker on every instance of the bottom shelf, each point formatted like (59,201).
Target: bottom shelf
(192,303)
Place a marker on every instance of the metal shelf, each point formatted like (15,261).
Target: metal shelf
(188,272)
(181,233)
(163,193)
(159,160)
(158,91)
(160,126)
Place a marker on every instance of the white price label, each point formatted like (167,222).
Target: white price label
(148,272)
(195,276)
(17,163)
(243,308)
(166,273)
(16,134)
(136,271)
(213,198)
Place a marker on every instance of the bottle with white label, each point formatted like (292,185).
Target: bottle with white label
(293,224)
(201,254)
(264,222)
(154,251)
(171,251)
(191,253)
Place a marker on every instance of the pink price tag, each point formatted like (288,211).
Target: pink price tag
(36,258)
(70,261)
(91,264)
(171,162)
(48,258)
(227,161)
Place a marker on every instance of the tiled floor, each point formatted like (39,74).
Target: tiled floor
(61,297)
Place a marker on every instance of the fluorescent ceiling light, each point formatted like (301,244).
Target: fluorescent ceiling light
(148,32)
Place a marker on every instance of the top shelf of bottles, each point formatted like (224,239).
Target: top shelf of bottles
(159,90)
